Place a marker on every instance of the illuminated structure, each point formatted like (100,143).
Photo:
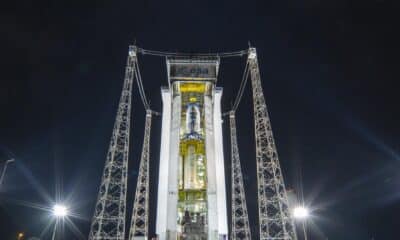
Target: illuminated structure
(191,201)
(191,185)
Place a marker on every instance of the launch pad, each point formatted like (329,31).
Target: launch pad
(192,201)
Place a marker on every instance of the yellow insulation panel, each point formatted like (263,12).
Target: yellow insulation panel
(192,87)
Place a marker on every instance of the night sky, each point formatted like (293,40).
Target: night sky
(330,72)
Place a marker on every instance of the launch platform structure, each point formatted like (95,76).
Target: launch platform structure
(191,200)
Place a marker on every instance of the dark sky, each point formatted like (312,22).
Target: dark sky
(330,72)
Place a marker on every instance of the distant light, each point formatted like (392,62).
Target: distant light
(20,236)
(60,210)
(300,212)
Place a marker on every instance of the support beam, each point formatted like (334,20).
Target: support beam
(240,218)
(108,222)
(274,215)
(140,215)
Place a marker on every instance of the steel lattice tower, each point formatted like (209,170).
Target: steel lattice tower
(139,221)
(274,214)
(240,219)
(108,222)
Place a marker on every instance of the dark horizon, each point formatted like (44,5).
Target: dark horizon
(330,78)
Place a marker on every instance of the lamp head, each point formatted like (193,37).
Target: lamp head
(301,212)
(60,210)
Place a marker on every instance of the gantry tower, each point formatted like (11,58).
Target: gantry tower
(191,202)
(273,207)
(139,221)
(240,218)
(109,217)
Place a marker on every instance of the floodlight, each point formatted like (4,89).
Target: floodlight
(300,212)
(60,210)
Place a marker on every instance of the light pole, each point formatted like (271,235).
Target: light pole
(4,170)
(302,213)
(59,211)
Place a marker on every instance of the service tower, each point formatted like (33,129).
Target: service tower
(191,186)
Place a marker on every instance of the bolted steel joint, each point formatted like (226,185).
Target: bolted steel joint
(132,51)
(252,53)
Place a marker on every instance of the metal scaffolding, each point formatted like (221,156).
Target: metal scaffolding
(140,214)
(240,218)
(275,222)
(108,222)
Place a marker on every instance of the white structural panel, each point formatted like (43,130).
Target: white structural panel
(172,198)
(168,171)
(211,173)
(161,225)
(216,192)
(219,164)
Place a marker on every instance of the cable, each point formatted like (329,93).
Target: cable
(174,54)
(140,86)
(239,53)
(242,87)
(141,90)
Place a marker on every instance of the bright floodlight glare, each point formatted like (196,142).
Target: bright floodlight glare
(60,210)
(300,212)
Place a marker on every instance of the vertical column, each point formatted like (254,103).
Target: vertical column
(211,172)
(274,215)
(140,214)
(220,167)
(172,199)
(109,217)
(161,223)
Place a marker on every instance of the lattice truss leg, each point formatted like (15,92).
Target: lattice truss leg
(274,213)
(108,222)
(140,213)
(240,219)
